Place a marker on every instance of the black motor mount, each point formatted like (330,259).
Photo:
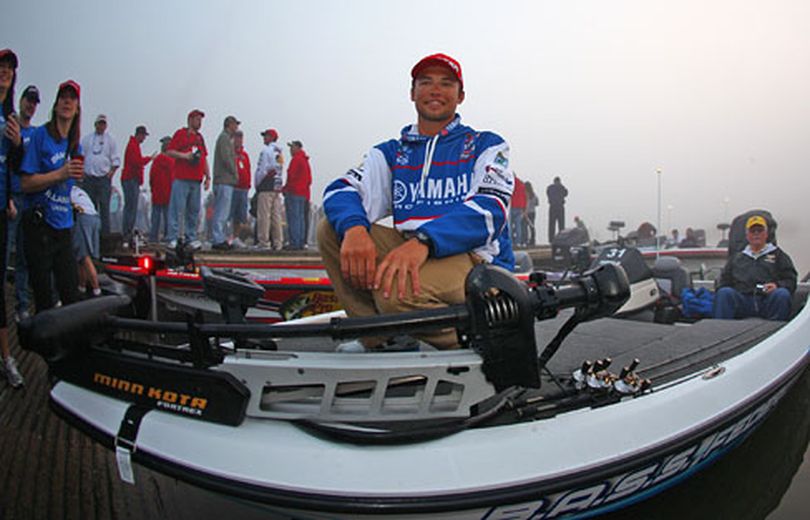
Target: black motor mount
(501,327)
(503,309)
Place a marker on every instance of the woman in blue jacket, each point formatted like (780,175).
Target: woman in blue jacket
(51,164)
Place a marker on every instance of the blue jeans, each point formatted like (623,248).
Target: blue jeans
(730,304)
(15,240)
(131,192)
(239,207)
(99,189)
(223,194)
(296,206)
(159,213)
(185,200)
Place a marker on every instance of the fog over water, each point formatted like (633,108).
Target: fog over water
(603,94)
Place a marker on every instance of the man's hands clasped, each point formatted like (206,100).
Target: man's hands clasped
(358,263)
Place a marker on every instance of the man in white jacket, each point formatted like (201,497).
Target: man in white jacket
(269,201)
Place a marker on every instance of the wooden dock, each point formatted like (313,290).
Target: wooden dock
(49,470)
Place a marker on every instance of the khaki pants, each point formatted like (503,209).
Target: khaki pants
(269,211)
(442,281)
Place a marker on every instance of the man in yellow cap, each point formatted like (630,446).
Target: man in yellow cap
(759,281)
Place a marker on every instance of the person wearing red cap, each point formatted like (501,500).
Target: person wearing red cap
(132,178)
(29,101)
(269,202)
(190,155)
(52,163)
(448,189)
(10,155)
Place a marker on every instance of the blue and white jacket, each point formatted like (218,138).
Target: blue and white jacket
(455,187)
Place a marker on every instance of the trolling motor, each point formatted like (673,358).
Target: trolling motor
(497,320)
(58,333)
(503,310)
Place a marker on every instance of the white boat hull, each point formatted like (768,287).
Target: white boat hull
(582,462)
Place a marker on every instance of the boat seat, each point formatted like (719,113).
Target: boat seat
(671,276)
(523,262)
(799,298)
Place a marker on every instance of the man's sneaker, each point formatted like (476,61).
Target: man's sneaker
(195,245)
(21,315)
(238,244)
(222,246)
(173,244)
(15,379)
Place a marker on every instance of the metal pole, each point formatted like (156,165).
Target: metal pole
(153,297)
(658,231)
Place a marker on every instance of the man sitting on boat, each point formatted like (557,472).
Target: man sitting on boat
(758,281)
(448,188)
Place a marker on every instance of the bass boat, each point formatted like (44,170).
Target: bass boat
(552,408)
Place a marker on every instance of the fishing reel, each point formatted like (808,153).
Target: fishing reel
(503,310)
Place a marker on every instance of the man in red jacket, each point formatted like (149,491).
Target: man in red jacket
(517,214)
(239,202)
(296,194)
(132,178)
(160,180)
(190,155)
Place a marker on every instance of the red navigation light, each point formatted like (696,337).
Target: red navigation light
(147,263)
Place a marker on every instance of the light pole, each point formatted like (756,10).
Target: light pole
(670,207)
(658,223)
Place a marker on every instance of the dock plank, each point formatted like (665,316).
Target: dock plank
(49,470)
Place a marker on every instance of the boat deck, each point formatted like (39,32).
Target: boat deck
(666,352)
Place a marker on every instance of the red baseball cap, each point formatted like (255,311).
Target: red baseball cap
(8,54)
(271,132)
(438,59)
(70,84)
(196,112)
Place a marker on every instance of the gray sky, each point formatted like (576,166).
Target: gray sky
(603,93)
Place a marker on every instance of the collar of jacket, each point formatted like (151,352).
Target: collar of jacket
(769,248)
(410,133)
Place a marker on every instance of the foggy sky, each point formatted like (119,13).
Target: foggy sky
(602,93)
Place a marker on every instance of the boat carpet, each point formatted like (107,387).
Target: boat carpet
(665,352)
